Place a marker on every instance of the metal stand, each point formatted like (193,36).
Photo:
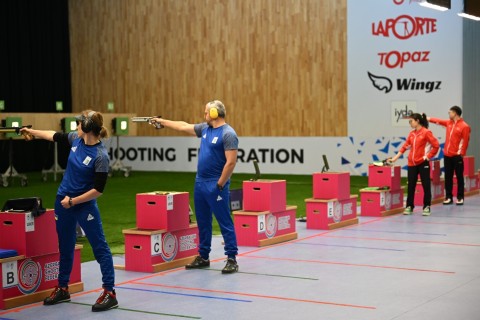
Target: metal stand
(55,168)
(117,164)
(11,173)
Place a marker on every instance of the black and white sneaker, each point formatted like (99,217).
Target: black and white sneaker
(106,301)
(231,266)
(459,202)
(58,295)
(198,263)
(447,201)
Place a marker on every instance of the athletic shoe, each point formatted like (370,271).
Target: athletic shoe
(58,295)
(459,202)
(231,266)
(426,211)
(447,201)
(106,301)
(408,210)
(198,263)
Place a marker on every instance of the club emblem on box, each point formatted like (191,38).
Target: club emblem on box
(30,273)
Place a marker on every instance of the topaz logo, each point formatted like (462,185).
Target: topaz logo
(403,84)
(381,83)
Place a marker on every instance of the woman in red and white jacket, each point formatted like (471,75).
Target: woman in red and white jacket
(423,147)
(456,144)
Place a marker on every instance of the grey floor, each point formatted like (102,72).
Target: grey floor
(397,267)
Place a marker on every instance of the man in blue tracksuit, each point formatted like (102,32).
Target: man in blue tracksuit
(216,160)
(84,180)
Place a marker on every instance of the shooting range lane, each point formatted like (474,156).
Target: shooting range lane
(401,267)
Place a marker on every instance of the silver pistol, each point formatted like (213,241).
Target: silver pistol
(149,120)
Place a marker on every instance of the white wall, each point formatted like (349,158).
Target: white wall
(430,42)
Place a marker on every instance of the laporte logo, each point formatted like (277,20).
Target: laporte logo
(403,84)
(400,2)
(404,27)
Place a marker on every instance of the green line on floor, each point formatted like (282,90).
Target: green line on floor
(264,274)
(147,312)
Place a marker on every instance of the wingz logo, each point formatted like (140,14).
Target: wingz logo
(405,84)
(381,83)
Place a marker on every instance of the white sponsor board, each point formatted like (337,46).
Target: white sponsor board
(402,58)
(282,155)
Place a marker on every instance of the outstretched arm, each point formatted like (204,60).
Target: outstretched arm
(181,126)
(42,134)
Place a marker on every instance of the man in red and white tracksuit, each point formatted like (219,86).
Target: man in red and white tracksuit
(456,145)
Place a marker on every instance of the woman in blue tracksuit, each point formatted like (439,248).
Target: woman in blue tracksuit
(83,182)
(216,160)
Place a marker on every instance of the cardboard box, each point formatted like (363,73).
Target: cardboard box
(252,227)
(435,171)
(331,185)
(325,214)
(384,177)
(437,189)
(265,195)
(378,203)
(29,236)
(28,280)
(470,184)
(144,248)
(469,166)
(160,210)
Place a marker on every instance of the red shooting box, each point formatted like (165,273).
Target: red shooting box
(30,236)
(160,210)
(469,166)
(470,184)
(29,280)
(378,203)
(384,177)
(257,229)
(331,214)
(147,251)
(435,172)
(331,185)
(437,189)
(265,195)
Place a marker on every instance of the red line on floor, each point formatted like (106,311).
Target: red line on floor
(352,264)
(257,295)
(445,223)
(414,241)
(306,238)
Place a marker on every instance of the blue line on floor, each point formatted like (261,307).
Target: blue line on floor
(337,245)
(183,294)
(388,231)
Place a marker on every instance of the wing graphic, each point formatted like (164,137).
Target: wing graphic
(381,83)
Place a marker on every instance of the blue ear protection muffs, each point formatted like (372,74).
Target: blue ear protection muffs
(87,122)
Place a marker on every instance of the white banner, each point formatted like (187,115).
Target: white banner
(402,58)
(282,155)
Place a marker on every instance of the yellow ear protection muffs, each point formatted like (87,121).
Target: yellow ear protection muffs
(87,122)
(213,112)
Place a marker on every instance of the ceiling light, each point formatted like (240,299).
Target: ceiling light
(436,5)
